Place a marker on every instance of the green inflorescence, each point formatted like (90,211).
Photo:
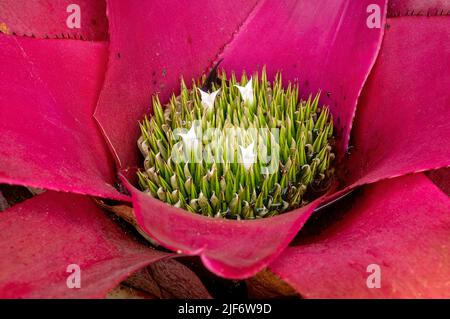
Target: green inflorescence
(296,134)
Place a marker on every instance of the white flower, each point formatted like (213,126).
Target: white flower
(246,92)
(208,98)
(190,140)
(248,156)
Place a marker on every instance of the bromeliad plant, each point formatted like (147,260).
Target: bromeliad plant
(324,45)
(219,173)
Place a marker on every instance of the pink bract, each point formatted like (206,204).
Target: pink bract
(401,127)
(48,90)
(402,123)
(400,225)
(45,234)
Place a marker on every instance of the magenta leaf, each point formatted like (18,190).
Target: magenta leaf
(49,138)
(402,121)
(55,19)
(328,46)
(231,249)
(152,45)
(41,237)
(401,225)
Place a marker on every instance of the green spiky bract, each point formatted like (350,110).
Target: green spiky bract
(219,188)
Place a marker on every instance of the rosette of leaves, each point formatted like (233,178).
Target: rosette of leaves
(231,173)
